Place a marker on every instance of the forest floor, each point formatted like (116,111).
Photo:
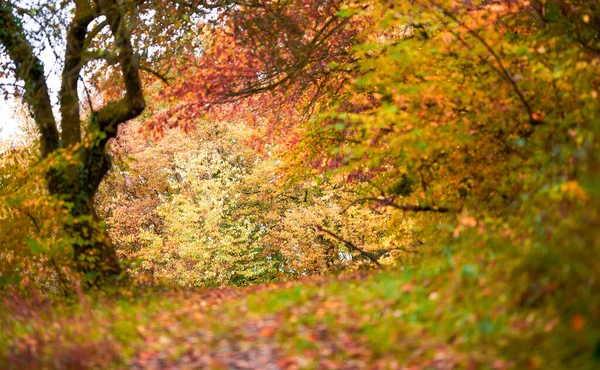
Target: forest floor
(441,316)
(337,322)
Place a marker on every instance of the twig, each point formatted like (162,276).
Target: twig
(37,227)
(406,250)
(88,95)
(60,277)
(350,245)
(155,73)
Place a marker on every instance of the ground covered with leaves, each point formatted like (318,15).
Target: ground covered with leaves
(446,313)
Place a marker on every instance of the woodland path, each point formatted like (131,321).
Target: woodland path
(188,337)
(361,320)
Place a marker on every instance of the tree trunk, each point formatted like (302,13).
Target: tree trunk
(94,255)
(93,252)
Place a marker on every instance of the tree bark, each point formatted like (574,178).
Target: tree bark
(93,252)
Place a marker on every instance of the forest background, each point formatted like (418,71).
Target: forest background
(396,184)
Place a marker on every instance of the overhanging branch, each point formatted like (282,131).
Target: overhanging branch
(157,74)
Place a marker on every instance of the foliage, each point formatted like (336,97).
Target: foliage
(452,143)
(181,231)
(36,254)
(448,312)
(204,209)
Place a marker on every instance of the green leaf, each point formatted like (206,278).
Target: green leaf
(469,271)
(34,246)
(346,13)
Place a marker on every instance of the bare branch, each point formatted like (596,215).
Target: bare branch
(350,245)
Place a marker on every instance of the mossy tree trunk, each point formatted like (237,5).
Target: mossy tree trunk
(93,252)
(77,183)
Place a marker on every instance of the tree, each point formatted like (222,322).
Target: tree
(115,41)
(103,35)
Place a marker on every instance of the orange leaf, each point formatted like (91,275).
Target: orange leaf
(267,331)
(577,322)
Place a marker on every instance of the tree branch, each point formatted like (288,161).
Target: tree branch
(132,104)
(350,245)
(94,32)
(159,75)
(31,70)
(88,96)
(69,99)
(108,57)
(409,208)
(504,72)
